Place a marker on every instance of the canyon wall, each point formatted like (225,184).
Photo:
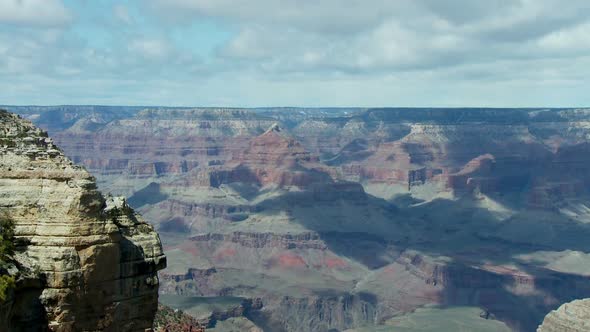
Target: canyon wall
(339,219)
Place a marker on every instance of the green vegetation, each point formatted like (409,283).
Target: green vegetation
(6,250)
(167,317)
(117,212)
(6,284)
(6,237)
(9,142)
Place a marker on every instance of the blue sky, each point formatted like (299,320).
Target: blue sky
(504,53)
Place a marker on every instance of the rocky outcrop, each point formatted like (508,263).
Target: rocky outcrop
(570,317)
(245,308)
(168,319)
(330,312)
(95,260)
(273,158)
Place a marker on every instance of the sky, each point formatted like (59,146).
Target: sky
(250,53)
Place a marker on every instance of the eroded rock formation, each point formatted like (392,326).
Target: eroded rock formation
(570,317)
(339,220)
(92,262)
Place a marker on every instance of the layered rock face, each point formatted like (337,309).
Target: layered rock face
(93,262)
(336,220)
(156,143)
(272,158)
(570,317)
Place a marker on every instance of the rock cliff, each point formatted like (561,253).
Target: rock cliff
(570,317)
(91,262)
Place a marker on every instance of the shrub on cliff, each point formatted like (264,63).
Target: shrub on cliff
(171,320)
(6,237)
(6,284)
(6,251)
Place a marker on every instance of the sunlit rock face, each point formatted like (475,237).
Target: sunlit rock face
(570,317)
(89,263)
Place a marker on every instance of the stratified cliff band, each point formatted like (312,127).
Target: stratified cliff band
(86,262)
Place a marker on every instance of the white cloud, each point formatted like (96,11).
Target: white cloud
(40,13)
(154,49)
(352,16)
(122,14)
(370,36)
(298,52)
(332,16)
(572,39)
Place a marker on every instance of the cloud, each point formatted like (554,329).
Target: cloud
(332,16)
(353,16)
(122,14)
(297,52)
(34,13)
(364,37)
(573,39)
(150,48)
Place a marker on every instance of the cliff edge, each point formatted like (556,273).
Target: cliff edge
(87,262)
(569,317)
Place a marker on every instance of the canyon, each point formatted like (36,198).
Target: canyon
(349,219)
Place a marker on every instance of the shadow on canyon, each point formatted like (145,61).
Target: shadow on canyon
(150,194)
(24,311)
(472,237)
